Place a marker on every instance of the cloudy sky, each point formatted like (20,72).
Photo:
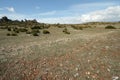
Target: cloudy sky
(61,11)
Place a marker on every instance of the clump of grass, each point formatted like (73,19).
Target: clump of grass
(35,34)
(66,31)
(76,27)
(14,34)
(8,34)
(46,32)
(110,27)
(16,30)
(28,32)
(37,27)
(22,30)
(11,34)
(9,29)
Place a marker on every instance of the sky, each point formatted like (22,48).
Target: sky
(61,11)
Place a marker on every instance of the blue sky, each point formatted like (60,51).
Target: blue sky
(61,11)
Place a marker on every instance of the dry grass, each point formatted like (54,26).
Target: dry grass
(90,54)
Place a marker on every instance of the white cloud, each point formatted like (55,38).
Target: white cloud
(10,9)
(108,14)
(14,16)
(91,5)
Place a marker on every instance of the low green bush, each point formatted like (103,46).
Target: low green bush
(22,30)
(13,34)
(9,29)
(46,32)
(35,34)
(8,34)
(76,27)
(28,32)
(110,27)
(66,31)
(16,30)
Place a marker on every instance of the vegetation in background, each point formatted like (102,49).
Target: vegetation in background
(60,25)
(29,26)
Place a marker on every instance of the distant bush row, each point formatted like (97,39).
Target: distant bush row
(34,31)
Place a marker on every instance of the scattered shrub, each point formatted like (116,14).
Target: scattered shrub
(46,32)
(110,27)
(8,34)
(13,34)
(80,28)
(37,27)
(16,30)
(46,26)
(35,34)
(76,27)
(9,29)
(66,31)
(22,30)
(28,32)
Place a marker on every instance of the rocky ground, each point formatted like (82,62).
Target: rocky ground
(90,54)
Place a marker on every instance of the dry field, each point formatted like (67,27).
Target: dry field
(88,54)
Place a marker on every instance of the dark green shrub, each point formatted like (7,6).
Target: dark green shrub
(110,27)
(9,29)
(35,34)
(37,27)
(80,28)
(35,31)
(13,34)
(76,27)
(22,30)
(8,34)
(16,30)
(66,31)
(28,32)
(46,32)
